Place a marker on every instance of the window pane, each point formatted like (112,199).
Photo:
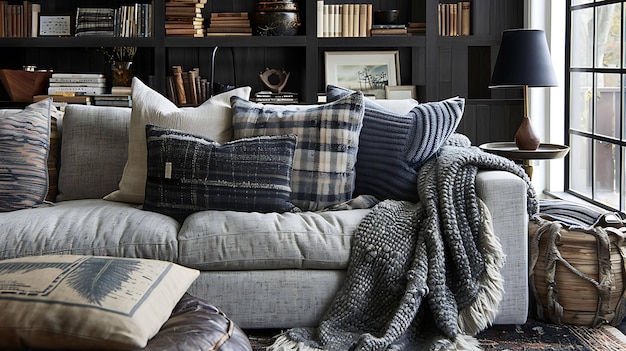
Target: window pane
(582,38)
(608,104)
(608,35)
(580,162)
(580,101)
(606,173)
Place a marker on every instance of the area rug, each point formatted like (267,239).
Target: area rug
(531,336)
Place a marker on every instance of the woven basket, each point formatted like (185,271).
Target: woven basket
(577,274)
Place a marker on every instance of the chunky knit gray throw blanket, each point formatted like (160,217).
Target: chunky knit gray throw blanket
(422,276)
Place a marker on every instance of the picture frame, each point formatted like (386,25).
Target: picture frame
(367,71)
(400,92)
(56,25)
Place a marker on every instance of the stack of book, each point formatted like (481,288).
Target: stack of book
(121,100)
(19,20)
(184,18)
(454,18)
(133,20)
(268,97)
(343,20)
(388,29)
(77,84)
(62,100)
(229,24)
(187,88)
(416,28)
(95,21)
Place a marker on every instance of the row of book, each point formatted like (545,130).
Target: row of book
(229,24)
(454,18)
(343,20)
(19,20)
(187,87)
(125,21)
(184,18)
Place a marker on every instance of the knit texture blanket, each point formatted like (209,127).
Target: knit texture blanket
(422,276)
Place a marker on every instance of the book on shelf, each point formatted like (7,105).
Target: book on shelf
(77,75)
(184,18)
(187,87)
(454,18)
(121,100)
(77,90)
(389,31)
(70,99)
(229,24)
(343,20)
(121,90)
(276,98)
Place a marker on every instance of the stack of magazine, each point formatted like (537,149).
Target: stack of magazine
(268,97)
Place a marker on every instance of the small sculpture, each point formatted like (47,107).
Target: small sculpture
(271,75)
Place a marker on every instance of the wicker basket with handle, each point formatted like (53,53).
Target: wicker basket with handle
(577,275)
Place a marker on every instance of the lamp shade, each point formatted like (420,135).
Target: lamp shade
(523,59)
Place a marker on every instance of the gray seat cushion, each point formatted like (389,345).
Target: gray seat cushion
(229,240)
(88,227)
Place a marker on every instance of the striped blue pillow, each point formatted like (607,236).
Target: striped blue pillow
(189,173)
(24,146)
(328,140)
(393,146)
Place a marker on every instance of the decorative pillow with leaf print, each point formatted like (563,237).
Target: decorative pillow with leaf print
(87,302)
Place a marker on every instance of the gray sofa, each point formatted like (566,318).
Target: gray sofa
(272,270)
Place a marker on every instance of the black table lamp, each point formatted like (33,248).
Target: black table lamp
(524,61)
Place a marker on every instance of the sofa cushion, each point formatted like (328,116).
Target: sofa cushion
(89,227)
(24,145)
(393,146)
(212,119)
(93,151)
(189,173)
(230,240)
(328,140)
(87,302)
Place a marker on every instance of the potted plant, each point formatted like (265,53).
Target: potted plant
(121,60)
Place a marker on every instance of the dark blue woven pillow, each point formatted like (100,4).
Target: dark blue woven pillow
(393,146)
(189,173)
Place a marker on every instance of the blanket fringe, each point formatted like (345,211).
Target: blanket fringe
(466,343)
(283,343)
(483,311)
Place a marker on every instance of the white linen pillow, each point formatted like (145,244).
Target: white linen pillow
(212,119)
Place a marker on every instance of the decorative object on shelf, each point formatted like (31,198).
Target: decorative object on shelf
(367,71)
(121,59)
(276,18)
(55,25)
(275,80)
(400,92)
(22,85)
(386,16)
(524,61)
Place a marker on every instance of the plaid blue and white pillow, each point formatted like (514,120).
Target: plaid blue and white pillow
(393,146)
(189,173)
(328,140)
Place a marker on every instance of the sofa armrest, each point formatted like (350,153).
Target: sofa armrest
(505,196)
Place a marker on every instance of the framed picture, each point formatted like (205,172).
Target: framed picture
(399,92)
(367,71)
(55,25)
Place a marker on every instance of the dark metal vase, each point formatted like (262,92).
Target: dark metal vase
(276,18)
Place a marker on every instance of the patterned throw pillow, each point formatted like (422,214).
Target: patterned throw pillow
(211,119)
(24,146)
(87,302)
(189,173)
(393,146)
(328,140)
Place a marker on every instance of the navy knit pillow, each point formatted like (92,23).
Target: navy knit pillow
(189,173)
(328,139)
(393,146)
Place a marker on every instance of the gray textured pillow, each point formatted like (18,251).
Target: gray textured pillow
(393,146)
(189,173)
(93,151)
(24,145)
(328,140)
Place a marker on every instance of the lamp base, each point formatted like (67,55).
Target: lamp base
(525,137)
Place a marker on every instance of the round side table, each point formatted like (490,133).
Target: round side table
(511,151)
